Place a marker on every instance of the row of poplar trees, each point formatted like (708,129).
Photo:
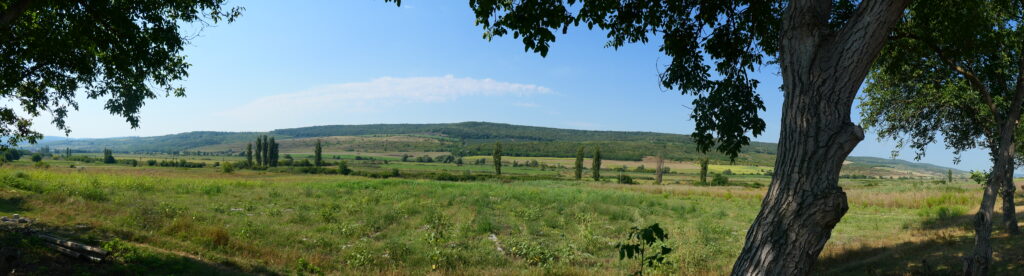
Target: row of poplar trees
(265,153)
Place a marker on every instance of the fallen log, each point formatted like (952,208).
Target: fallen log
(99,252)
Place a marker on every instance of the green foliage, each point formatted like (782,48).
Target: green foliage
(646,245)
(625,179)
(596,166)
(125,50)
(578,166)
(736,36)
(950,77)
(108,157)
(719,180)
(980,177)
(497,158)
(227,167)
(344,169)
(704,169)
(318,154)
(37,157)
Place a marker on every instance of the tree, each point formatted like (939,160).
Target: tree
(266,151)
(949,176)
(596,165)
(704,170)
(108,157)
(273,152)
(579,163)
(259,151)
(824,50)
(317,154)
(658,170)
(248,155)
(123,51)
(497,158)
(36,157)
(343,168)
(960,78)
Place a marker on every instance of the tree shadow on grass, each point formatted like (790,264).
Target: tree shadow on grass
(12,205)
(33,256)
(940,253)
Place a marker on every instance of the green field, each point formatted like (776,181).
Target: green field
(278,221)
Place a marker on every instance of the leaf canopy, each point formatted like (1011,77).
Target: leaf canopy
(123,51)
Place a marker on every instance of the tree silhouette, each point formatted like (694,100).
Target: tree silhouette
(579,163)
(129,51)
(497,158)
(596,166)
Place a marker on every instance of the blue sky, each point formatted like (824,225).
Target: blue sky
(285,65)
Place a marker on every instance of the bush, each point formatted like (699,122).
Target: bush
(37,157)
(719,180)
(42,165)
(227,167)
(343,168)
(625,179)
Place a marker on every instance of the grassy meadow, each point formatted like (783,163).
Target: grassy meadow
(194,221)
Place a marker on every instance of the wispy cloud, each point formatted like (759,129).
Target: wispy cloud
(386,91)
(526,104)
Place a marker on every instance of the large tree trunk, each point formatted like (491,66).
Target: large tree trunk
(822,71)
(1002,171)
(1009,207)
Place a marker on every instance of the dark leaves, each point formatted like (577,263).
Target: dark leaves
(732,38)
(639,241)
(123,51)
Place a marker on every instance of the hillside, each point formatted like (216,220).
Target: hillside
(467,138)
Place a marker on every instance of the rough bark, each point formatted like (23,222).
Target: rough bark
(822,71)
(979,261)
(1009,207)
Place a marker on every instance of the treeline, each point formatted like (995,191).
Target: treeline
(617,150)
(483,131)
(265,153)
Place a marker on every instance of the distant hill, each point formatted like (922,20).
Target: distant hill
(467,138)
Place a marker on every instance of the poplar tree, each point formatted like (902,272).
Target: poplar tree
(248,155)
(266,151)
(579,163)
(259,152)
(596,166)
(704,170)
(317,151)
(273,152)
(497,158)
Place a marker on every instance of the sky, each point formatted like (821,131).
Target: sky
(285,65)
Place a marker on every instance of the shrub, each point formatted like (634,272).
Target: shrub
(227,167)
(625,179)
(42,165)
(37,157)
(646,245)
(719,180)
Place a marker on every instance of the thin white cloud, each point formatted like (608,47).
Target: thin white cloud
(526,104)
(386,91)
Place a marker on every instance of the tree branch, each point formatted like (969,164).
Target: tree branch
(860,40)
(954,65)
